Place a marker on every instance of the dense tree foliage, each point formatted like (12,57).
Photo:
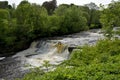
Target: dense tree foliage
(19,26)
(70,23)
(4,5)
(110,17)
(94,15)
(94,21)
(7,28)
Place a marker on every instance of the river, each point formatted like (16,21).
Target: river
(39,51)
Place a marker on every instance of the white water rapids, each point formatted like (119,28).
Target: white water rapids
(44,49)
(41,51)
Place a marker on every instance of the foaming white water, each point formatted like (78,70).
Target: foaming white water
(42,50)
(53,57)
(1,58)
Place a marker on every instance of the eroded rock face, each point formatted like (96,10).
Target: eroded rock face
(70,49)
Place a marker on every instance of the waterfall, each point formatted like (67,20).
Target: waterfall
(42,50)
(48,52)
(45,49)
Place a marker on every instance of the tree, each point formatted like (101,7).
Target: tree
(4,5)
(4,14)
(53,25)
(61,13)
(70,23)
(86,12)
(110,18)
(94,15)
(4,23)
(23,3)
(94,21)
(50,6)
(7,29)
(33,18)
(92,6)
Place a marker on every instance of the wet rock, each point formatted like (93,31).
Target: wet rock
(70,49)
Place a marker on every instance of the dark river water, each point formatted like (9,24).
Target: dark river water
(10,68)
